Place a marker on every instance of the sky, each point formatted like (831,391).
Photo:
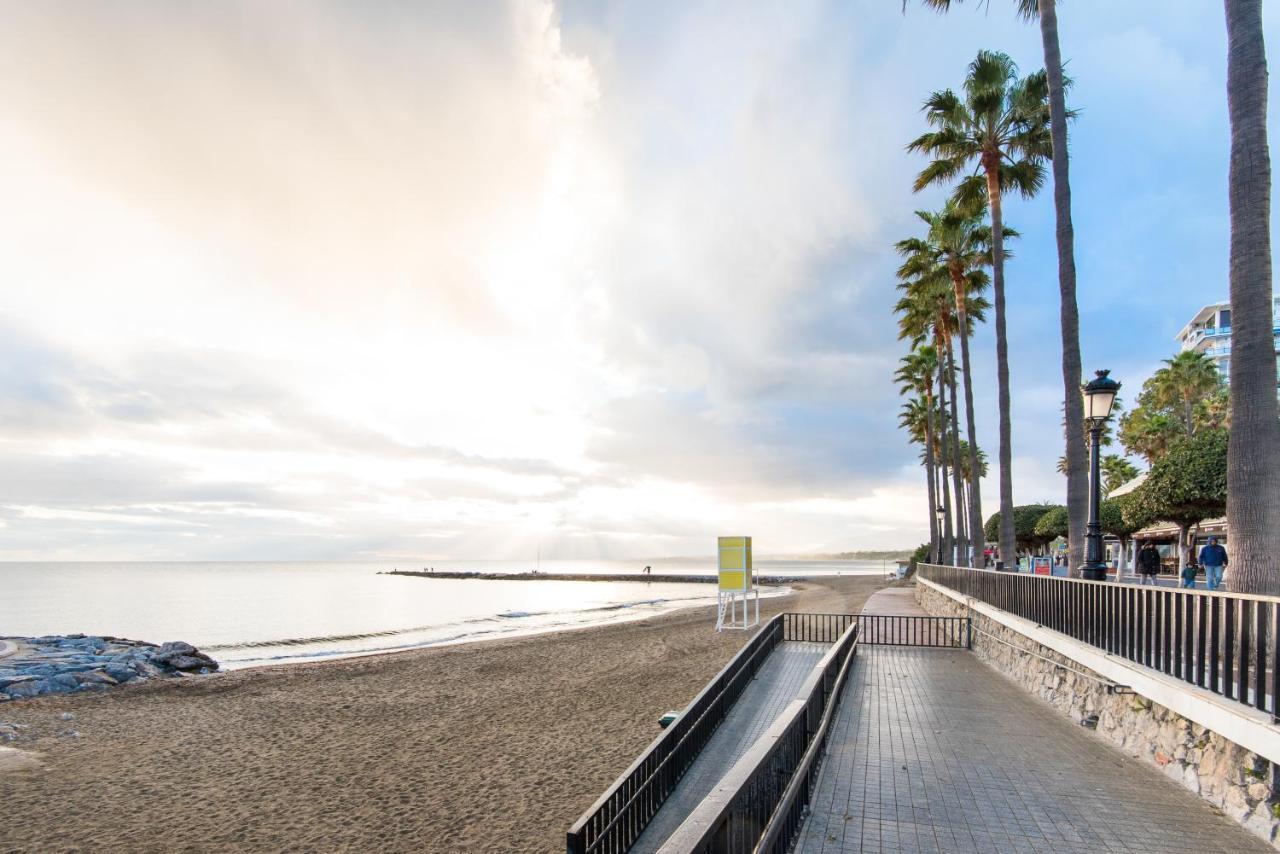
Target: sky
(591,279)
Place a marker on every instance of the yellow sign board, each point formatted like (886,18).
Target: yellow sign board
(735,563)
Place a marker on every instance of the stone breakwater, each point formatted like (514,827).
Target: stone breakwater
(65,664)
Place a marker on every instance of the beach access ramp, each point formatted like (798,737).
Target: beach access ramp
(767,710)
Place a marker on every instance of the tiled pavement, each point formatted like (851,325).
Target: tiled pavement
(776,684)
(933,751)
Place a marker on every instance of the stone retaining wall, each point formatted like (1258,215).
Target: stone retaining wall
(1228,776)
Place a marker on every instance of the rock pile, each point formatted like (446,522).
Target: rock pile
(63,664)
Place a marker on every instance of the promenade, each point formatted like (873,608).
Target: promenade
(932,750)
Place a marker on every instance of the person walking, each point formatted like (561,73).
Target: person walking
(1213,558)
(1189,576)
(1148,563)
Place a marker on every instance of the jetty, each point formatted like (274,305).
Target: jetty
(669,578)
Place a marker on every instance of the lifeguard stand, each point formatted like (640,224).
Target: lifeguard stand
(737,589)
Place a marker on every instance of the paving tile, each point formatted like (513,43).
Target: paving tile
(934,751)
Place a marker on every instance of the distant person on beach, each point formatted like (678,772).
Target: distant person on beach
(1214,559)
(1148,563)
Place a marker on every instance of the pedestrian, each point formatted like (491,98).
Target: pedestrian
(1148,563)
(1214,559)
(1189,576)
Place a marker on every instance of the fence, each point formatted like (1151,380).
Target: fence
(816,628)
(1223,642)
(621,814)
(760,804)
(901,630)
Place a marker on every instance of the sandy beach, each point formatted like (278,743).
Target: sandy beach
(493,746)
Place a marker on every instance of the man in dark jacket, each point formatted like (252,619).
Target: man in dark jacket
(1148,563)
(1213,558)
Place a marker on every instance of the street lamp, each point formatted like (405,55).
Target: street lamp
(941,513)
(1099,397)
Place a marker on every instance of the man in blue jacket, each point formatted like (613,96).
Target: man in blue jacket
(1213,558)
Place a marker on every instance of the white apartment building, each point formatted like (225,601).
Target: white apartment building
(1209,332)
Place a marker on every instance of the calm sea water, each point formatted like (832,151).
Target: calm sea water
(247,614)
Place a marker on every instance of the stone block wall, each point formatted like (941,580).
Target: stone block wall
(1228,776)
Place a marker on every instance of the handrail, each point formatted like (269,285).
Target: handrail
(752,794)
(1224,594)
(618,816)
(779,833)
(1226,643)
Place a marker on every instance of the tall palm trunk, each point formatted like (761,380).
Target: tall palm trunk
(934,544)
(1008,543)
(948,539)
(957,475)
(975,490)
(1253,455)
(1077,458)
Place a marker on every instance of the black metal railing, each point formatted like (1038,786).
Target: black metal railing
(903,630)
(760,803)
(1223,642)
(621,814)
(815,628)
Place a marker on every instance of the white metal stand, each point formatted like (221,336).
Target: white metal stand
(734,611)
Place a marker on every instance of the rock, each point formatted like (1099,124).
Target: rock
(95,679)
(174,648)
(6,681)
(23,690)
(189,662)
(66,716)
(120,673)
(62,683)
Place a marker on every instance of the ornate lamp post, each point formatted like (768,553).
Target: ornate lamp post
(1099,397)
(941,513)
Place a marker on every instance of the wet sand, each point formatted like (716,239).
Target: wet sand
(495,746)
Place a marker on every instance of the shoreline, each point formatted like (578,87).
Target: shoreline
(487,746)
(623,618)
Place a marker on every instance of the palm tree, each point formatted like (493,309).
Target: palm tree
(927,312)
(916,375)
(1069,316)
(1000,127)
(1186,380)
(956,247)
(921,318)
(1116,472)
(1253,455)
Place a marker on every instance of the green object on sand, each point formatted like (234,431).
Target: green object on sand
(667,719)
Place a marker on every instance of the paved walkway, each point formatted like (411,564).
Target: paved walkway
(776,684)
(934,751)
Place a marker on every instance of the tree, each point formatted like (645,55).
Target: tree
(1000,127)
(1185,381)
(1116,472)
(1185,486)
(927,312)
(956,248)
(1149,432)
(1184,396)
(1052,524)
(1253,468)
(916,375)
(1111,514)
(1069,316)
(1024,517)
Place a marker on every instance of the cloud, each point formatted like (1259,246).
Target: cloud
(332,280)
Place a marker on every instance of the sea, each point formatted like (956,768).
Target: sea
(248,614)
